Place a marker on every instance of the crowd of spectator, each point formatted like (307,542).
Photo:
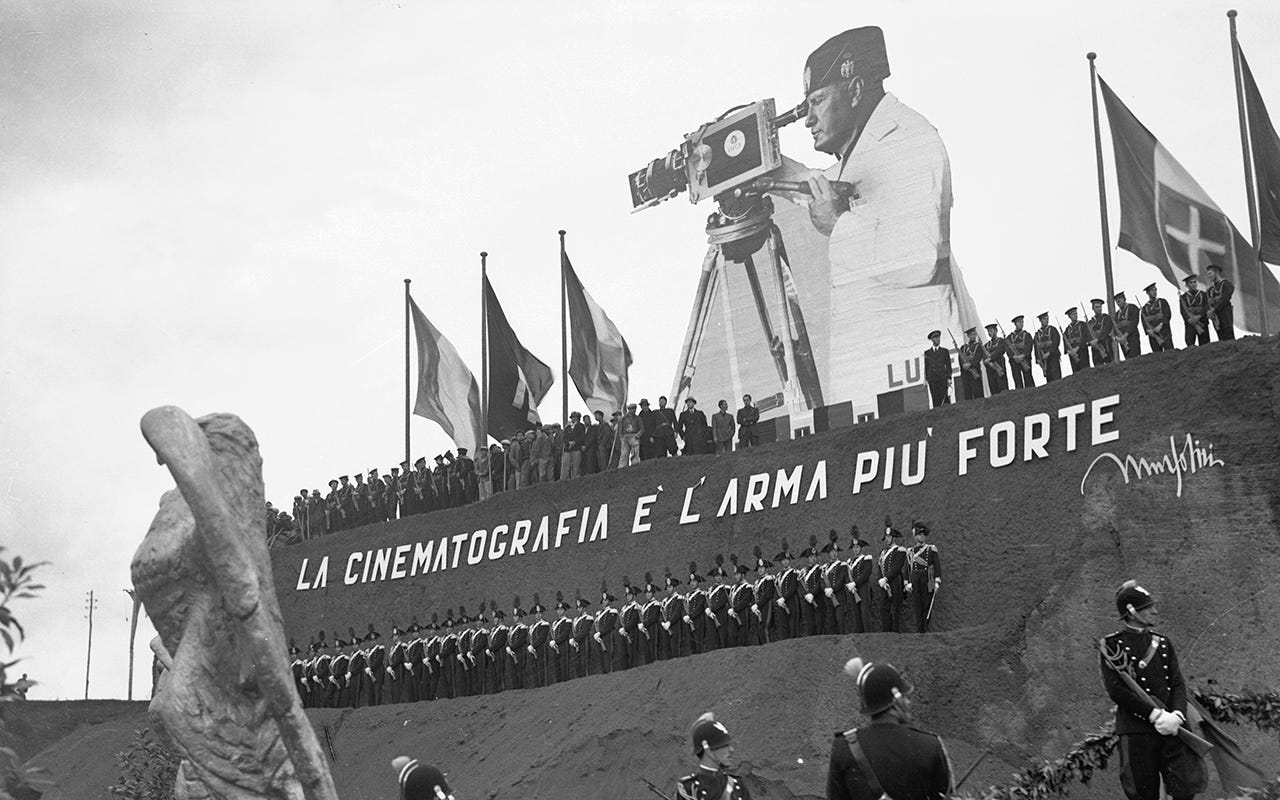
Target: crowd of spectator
(545,453)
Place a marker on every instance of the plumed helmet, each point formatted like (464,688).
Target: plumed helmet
(756,551)
(707,728)
(719,559)
(693,566)
(879,685)
(813,539)
(1132,597)
(420,781)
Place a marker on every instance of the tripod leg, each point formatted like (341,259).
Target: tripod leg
(799,350)
(708,284)
(776,347)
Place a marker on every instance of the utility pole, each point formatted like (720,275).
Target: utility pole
(89,604)
(133,631)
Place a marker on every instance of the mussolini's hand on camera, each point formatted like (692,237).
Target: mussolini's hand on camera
(826,206)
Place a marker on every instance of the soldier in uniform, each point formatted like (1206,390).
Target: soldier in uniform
(360,494)
(666,430)
(650,617)
(714,748)
(348,502)
(1126,335)
(1150,750)
(561,633)
(517,641)
(890,757)
(697,623)
(424,487)
(1194,305)
(1048,344)
(861,568)
(937,370)
(1021,352)
(1076,340)
(672,642)
(764,593)
(1155,321)
(583,627)
(993,353)
(787,620)
(893,563)
(812,614)
(1101,331)
(538,670)
(1220,310)
(971,355)
(748,418)
(835,599)
(925,574)
(332,509)
(391,493)
(420,781)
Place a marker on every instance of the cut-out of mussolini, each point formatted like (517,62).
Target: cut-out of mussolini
(872,273)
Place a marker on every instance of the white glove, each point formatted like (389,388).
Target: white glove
(688,620)
(1168,723)
(532,652)
(645,631)
(555,647)
(666,626)
(851,587)
(461,660)
(734,614)
(756,610)
(392,673)
(808,597)
(782,603)
(884,584)
(936,583)
(511,652)
(574,642)
(368,671)
(709,613)
(828,591)
(907,589)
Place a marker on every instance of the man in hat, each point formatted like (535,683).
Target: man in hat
(937,370)
(1020,348)
(332,509)
(364,502)
(590,444)
(971,354)
(1076,339)
(1194,305)
(861,568)
(440,480)
(607,445)
(392,494)
(515,455)
(571,458)
(1148,725)
(649,430)
(1048,343)
(748,418)
(888,247)
(893,572)
(1101,331)
(420,781)
(484,474)
(464,471)
(1126,334)
(541,455)
(993,353)
(713,746)
(1155,321)
(316,514)
(666,430)
(722,427)
(890,757)
(692,427)
(1220,311)
(630,431)
(424,491)
(925,574)
(347,502)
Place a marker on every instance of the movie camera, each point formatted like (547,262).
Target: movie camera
(727,159)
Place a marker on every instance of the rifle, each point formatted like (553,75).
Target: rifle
(1146,322)
(1190,739)
(999,368)
(1071,351)
(981,757)
(959,355)
(654,789)
(1021,359)
(1094,341)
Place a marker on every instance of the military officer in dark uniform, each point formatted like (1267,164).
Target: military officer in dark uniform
(1048,344)
(332,509)
(890,757)
(748,417)
(893,570)
(1101,333)
(993,353)
(1194,305)
(1155,321)
(861,568)
(1076,339)
(1021,346)
(714,748)
(971,354)
(937,370)
(1220,310)
(1126,335)
(360,496)
(925,574)
(1149,748)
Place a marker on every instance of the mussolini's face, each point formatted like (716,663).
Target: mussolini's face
(831,117)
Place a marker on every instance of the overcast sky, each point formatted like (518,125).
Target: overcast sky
(215,207)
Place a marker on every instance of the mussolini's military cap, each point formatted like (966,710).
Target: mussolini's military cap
(933,334)
(856,52)
(1018,318)
(1150,288)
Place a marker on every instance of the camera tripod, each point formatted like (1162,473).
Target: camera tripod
(737,233)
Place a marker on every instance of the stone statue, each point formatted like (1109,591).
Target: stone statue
(227,701)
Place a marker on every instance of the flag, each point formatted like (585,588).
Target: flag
(1266,166)
(517,379)
(1166,219)
(601,357)
(447,391)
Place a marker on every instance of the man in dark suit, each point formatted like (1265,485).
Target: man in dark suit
(890,757)
(937,370)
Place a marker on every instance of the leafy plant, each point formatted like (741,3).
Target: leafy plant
(148,769)
(18,781)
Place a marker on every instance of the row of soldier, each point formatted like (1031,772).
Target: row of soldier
(834,591)
(1096,341)
(543,454)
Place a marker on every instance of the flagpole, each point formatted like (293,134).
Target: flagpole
(484,348)
(1102,188)
(407,411)
(1248,172)
(564,342)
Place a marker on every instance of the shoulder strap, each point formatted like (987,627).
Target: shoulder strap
(864,766)
(1151,652)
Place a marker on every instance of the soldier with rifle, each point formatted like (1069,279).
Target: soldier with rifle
(861,568)
(971,356)
(993,353)
(1048,348)
(1101,334)
(1155,321)
(332,509)
(1021,351)
(1220,310)
(893,567)
(925,575)
(1076,339)
(1126,333)
(1141,675)
(1194,305)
